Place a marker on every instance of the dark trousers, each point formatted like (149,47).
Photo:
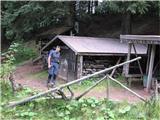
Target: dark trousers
(51,78)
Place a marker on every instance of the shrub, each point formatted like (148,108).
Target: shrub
(7,67)
(24,53)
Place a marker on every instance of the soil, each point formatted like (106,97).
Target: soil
(22,76)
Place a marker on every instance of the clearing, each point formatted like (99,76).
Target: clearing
(34,77)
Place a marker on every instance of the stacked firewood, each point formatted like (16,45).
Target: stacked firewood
(90,67)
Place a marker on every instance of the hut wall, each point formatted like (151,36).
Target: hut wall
(67,67)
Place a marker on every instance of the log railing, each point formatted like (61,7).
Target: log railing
(59,88)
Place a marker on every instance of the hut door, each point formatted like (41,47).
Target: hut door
(63,71)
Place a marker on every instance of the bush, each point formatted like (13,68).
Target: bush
(7,67)
(24,53)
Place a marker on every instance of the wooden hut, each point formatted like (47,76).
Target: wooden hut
(153,62)
(85,55)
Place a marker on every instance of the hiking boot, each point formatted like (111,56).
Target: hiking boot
(51,85)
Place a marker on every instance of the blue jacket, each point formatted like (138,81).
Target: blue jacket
(55,59)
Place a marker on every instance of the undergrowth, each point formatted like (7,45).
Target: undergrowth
(88,109)
(24,52)
(46,108)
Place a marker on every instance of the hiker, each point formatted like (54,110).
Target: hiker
(53,66)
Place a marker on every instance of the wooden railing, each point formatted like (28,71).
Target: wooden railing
(59,88)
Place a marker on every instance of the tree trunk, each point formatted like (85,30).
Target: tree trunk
(126,23)
(89,7)
(96,3)
(72,15)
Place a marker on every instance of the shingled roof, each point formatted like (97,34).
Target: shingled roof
(94,45)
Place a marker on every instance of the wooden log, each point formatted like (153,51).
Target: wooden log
(69,83)
(113,71)
(60,92)
(37,59)
(108,89)
(90,88)
(128,89)
(71,92)
(140,68)
(156,67)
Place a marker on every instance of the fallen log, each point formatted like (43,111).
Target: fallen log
(113,71)
(142,98)
(90,88)
(37,59)
(69,83)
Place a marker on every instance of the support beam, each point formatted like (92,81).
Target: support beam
(128,58)
(90,88)
(108,90)
(79,66)
(68,84)
(148,56)
(113,71)
(140,68)
(143,99)
(151,64)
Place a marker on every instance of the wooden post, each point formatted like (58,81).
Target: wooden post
(151,64)
(108,88)
(139,64)
(113,71)
(79,66)
(128,58)
(148,56)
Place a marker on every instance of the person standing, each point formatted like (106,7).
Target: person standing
(53,66)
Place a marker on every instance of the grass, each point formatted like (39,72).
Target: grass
(88,109)
(43,75)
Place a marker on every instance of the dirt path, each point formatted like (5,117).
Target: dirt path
(23,77)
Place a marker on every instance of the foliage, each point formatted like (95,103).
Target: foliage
(22,17)
(152,108)
(16,54)
(90,109)
(134,7)
(24,53)
(8,66)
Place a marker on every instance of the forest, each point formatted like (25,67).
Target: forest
(28,26)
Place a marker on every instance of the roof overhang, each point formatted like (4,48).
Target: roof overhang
(141,39)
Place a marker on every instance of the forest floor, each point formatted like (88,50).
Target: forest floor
(34,77)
